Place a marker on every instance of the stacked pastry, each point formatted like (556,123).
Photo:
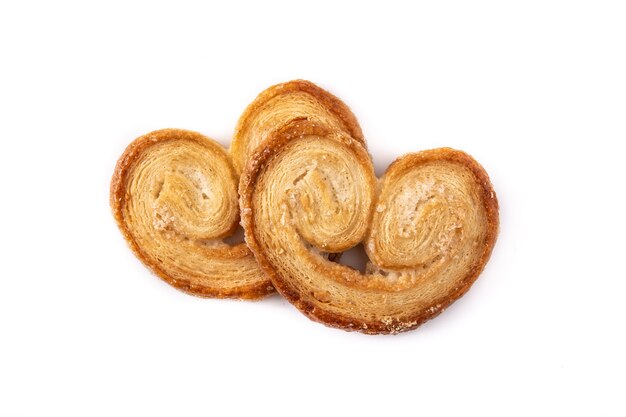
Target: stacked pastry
(301,181)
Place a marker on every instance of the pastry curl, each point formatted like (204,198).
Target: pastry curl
(428,227)
(283,104)
(174,197)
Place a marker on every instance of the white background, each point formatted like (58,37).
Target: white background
(534,90)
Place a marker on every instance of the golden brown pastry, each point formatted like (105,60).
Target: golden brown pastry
(283,104)
(174,197)
(428,226)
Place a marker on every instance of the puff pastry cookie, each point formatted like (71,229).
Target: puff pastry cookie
(309,191)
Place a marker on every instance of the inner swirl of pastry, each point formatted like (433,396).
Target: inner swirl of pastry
(427,213)
(174,196)
(188,196)
(428,227)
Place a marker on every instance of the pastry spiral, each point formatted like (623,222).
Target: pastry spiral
(286,103)
(174,197)
(428,226)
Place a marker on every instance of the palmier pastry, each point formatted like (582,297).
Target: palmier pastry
(174,197)
(428,226)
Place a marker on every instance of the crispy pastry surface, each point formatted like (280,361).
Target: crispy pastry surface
(174,197)
(428,226)
(283,104)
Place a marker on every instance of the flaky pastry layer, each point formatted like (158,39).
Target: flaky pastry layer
(174,197)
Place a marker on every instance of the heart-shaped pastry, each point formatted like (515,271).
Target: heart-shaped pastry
(309,192)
